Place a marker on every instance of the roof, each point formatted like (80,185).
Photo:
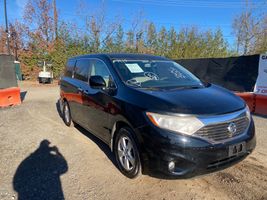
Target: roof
(127,56)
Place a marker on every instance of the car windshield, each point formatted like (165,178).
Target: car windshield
(155,74)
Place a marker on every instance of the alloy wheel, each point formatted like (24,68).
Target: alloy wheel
(66,113)
(126,153)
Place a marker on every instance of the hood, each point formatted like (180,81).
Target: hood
(208,100)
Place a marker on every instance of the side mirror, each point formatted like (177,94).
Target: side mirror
(97,82)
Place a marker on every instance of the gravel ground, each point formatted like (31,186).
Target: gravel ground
(41,157)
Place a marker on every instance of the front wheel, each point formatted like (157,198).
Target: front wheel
(127,154)
(66,114)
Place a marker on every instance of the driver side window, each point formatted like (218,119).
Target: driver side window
(99,68)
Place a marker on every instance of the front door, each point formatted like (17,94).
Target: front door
(97,102)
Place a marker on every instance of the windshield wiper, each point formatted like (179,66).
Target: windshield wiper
(187,87)
(133,82)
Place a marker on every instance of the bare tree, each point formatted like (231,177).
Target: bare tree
(100,29)
(247,28)
(37,14)
(2,40)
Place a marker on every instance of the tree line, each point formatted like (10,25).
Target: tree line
(43,35)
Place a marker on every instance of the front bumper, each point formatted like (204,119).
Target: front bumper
(192,156)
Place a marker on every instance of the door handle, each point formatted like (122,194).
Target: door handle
(80,90)
(86,92)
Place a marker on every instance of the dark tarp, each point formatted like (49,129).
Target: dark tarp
(18,71)
(7,72)
(234,73)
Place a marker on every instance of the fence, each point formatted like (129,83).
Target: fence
(238,74)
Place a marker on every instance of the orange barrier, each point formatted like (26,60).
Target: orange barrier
(261,104)
(249,98)
(10,96)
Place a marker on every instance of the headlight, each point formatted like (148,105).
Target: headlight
(182,124)
(248,112)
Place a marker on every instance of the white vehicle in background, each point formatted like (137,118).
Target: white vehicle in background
(46,75)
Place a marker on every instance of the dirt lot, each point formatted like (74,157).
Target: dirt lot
(79,166)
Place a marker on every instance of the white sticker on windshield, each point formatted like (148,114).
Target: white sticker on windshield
(134,67)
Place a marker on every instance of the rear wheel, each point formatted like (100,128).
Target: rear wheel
(127,154)
(66,114)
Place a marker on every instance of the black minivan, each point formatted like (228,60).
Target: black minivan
(157,117)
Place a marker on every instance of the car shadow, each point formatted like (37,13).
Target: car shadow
(38,175)
(23,95)
(260,115)
(102,145)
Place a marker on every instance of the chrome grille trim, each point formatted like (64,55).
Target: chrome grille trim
(216,127)
(217,119)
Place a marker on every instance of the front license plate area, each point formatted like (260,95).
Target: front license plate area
(237,149)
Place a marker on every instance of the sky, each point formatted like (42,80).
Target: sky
(204,14)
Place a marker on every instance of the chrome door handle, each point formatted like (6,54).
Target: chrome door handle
(86,92)
(80,90)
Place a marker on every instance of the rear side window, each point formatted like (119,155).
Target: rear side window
(69,68)
(81,71)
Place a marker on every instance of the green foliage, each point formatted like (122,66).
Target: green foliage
(100,36)
(151,38)
(186,43)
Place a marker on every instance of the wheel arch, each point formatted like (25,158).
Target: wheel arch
(116,126)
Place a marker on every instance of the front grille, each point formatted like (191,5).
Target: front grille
(219,131)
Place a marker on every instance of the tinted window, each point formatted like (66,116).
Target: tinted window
(82,70)
(69,68)
(100,69)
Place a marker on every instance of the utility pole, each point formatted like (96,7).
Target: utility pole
(55,19)
(7,34)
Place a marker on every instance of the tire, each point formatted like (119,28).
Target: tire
(127,153)
(66,114)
